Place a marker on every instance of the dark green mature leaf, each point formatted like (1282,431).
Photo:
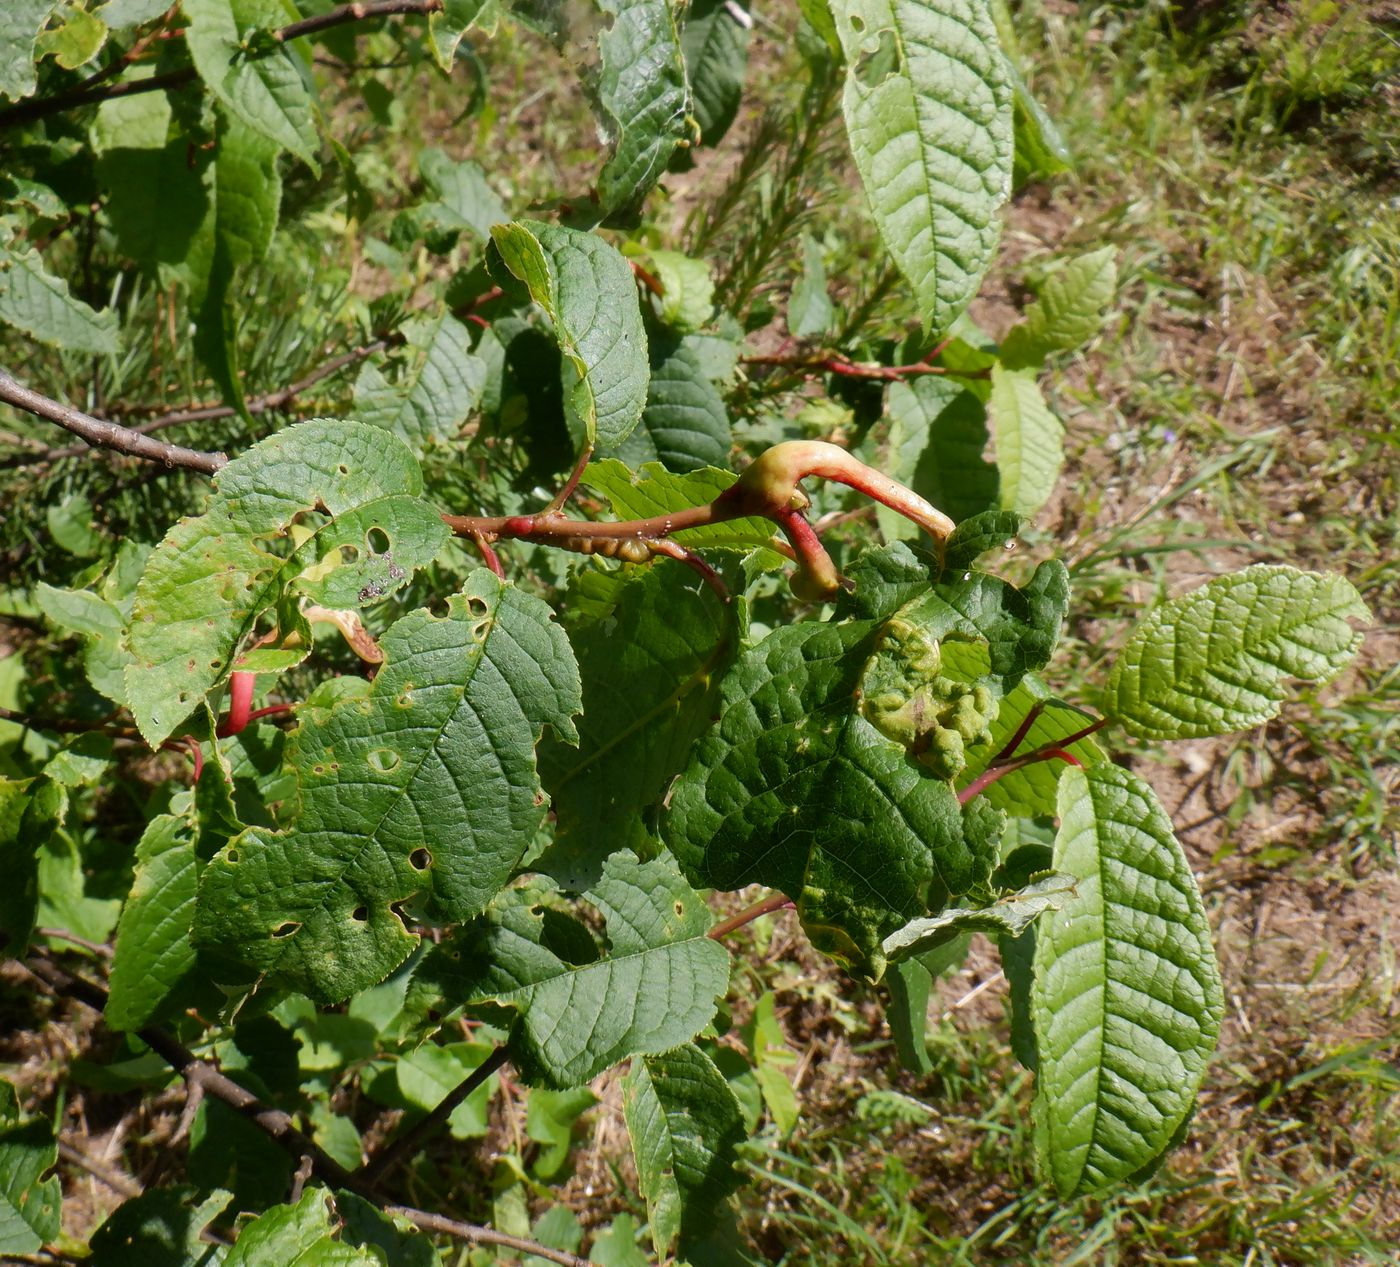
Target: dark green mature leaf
(938,431)
(928,108)
(20,24)
(160,1228)
(423,790)
(263,87)
(29,1203)
(796,789)
(810,310)
(440,386)
(32,299)
(685,424)
(1029,440)
(300,1235)
(153,951)
(985,533)
(1214,661)
(31,810)
(209,581)
(642,97)
(651,654)
(1127,998)
(685,1126)
(586,289)
(716,48)
(656,988)
(1008,917)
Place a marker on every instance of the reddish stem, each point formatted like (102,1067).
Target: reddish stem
(240,701)
(488,555)
(674,550)
(190,745)
(649,280)
(775,902)
(1021,732)
(990,775)
(270,710)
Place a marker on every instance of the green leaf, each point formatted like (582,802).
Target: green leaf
(688,290)
(716,49)
(685,424)
(121,15)
(586,290)
(651,655)
(20,24)
(464,198)
(259,82)
(656,988)
(399,1243)
(1029,440)
(102,627)
(810,311)
(1041,149)
(33,300)
(550,1118)
(427,1074)
(928,111)
(1214,661)
(642,98)
(153,952)
(1008,917)
(76,40)
(909,984)
(424,790)
(938,430)
(1069,312)
(653,490)
(448,27)
(29,1203)
(161,1228)
(1127,998)
(439,387)
(31,810)
(300,1235)
(206,585)
(987,532)
(685,1126)
(796,789)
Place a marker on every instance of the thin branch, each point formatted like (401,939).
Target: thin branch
(774,902)
(413,1139)
(85,95)
(119,1181)
(66,726)
(62,934)
(107,435)
(273,400)
(279,1126)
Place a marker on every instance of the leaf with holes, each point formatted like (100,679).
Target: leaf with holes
(349,530)
(20,24)
(928,106)
(580,1011)
(642,98)
(1214,661)
(685,1126)
(422,791)
(1126,998)
(586,290)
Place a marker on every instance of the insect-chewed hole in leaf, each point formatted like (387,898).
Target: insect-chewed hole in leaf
(287,929)
(360,914)
(439,608)
(231,856)
(398,909)
(857,22)
(680,908)
(405,700)
(343,469)
(420,860)
(384,760)
(480,630)
(349,553)
(378,541)
(875,67)
(477,606)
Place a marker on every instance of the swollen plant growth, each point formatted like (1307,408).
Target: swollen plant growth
(375,769)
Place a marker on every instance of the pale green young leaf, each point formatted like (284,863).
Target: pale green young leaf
(655,989)
(550,1119)
(810,311)
(465,200)
(1069,311)
(1215,660)
(300,1235)
(928,108)
(206,585)
(121,15)
(426,1075)
(20,24)
(36,301)
(448,27)
(153,951)
(101,625)
(651,654)
(1127,998)
(261,86)
(440,384)
(685,424)
(938,430)
(1008,917)
(653,490)
(688,290)
(586,289)
(716,49)
(29,1203)
(642,98)
(685,1126)
(1029,440)
(76,40)
(424,790)
(796,789)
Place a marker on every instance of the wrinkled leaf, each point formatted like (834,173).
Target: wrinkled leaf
(1029,440)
